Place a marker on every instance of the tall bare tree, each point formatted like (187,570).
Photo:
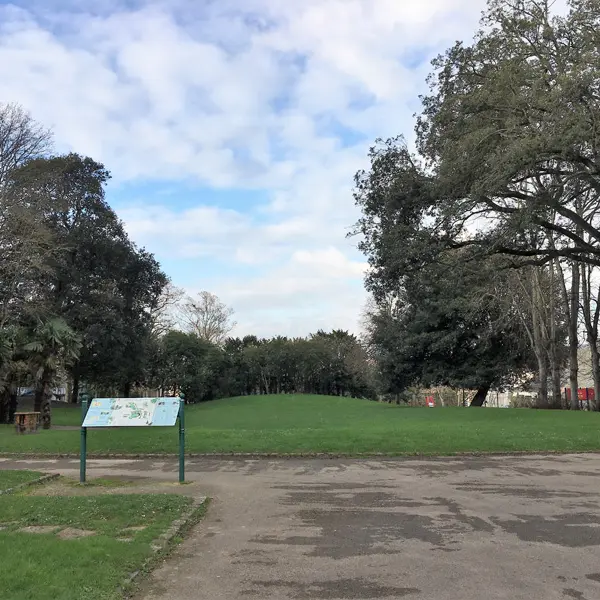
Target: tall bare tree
(163,314)
(207,317)
(21,139)
(26,244)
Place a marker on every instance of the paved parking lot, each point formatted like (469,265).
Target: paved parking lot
(449,529)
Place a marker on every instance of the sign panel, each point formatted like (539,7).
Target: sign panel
(132,412)
(582,393)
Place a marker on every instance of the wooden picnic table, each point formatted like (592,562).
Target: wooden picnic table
(27,422)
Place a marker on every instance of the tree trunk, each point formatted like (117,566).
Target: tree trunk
(539,336)
(595,373)
(542,399)
(38,399)
(8,401)
(46,411)
(4,401)
(75,389)
(555,362)
(266,384)
(591,319)
(41,401)
(556,401)
(573,337)
(13,402)
(127,389)
(481,395)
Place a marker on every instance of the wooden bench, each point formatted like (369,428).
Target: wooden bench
(27,422)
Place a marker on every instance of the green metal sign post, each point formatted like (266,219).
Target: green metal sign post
(131,412)
(181,438)
(83,456)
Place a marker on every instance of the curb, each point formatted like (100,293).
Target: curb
(38,481)
(163,543)
(312,455)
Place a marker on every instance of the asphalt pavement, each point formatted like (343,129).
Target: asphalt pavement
(518,528)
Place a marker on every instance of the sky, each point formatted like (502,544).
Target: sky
(233,130)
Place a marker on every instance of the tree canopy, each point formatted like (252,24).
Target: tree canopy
(504,175)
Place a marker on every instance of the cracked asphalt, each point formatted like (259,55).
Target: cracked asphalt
(449,529)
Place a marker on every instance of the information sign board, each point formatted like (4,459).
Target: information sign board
(132,412)
(127,412)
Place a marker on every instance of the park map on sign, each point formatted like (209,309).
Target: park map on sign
(127,412)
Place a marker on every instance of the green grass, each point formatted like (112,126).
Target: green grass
(10,479)
(306,424)
(42,566)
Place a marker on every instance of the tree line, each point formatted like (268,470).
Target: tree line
(484,240)
(333,363)
(82,305)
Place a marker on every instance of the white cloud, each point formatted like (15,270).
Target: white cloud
(313,290)
(330,263)
(229,94)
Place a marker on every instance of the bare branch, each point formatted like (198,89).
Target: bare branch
(207,317)
(21,139)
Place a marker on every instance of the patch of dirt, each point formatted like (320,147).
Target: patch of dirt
(125,539)
(68,487)
(135,528)
(70,533)
(39,529)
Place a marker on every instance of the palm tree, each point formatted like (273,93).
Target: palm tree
(54,345)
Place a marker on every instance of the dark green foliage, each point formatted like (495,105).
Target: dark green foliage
(448,318)
(93,280)
(506,169)
(452,325)
(326,363)
(509,132)
(102,285)
(186,363)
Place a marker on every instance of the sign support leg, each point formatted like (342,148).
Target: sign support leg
(83,451)
(181,441)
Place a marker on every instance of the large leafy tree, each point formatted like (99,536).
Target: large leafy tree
(189,364)
(452,324)
(140,285)
(506,162)
(100,284)
(12,369)
(509,131)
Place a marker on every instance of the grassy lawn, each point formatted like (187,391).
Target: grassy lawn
(78,547)
(293,424)
(9,479)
